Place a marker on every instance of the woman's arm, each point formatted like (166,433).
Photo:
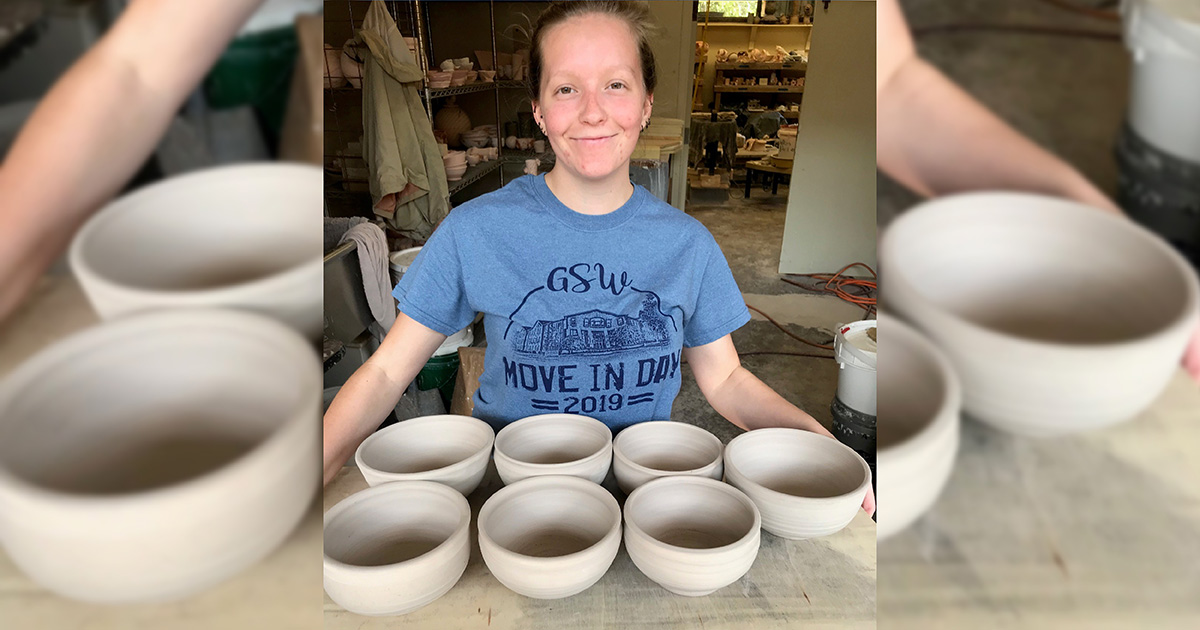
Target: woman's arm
(743,399)
(98,124)
(374,389)
(935,139)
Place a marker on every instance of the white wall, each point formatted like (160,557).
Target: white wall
(831,203)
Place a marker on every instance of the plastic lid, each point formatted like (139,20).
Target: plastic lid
(401,260)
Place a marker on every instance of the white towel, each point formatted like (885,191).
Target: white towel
(377,281)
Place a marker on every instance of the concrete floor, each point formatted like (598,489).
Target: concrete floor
(750,233)
(1068,94)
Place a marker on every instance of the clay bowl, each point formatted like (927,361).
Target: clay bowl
(918,428)
(550,536)
(806,485)
(245,237)
(691,535)
(487,76)
(448,449)
(1057,317)
(394,548)
(649,450)
(455,173)
(459,77)
(554,444)
(455,158)
(156,455)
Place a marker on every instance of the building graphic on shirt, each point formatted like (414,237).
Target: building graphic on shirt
(596,332)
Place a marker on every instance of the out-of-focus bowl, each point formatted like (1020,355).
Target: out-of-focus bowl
(394,548)
(550,536)
(649,450)
(1057,317)
(448,449)
(918,425)
(554,444)
(805,484)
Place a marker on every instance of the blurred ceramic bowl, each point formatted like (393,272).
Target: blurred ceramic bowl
(1057,317)
(472,76)
(459,77)
(156,455)
(448,449)
(454,158)
(554,444)
(918,426)
(649,450)
(394,548)
(805,484)
(551,536)
(246,237)
(455,173)
(487,75)
(691,535)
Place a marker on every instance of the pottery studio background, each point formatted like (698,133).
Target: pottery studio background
(762,129)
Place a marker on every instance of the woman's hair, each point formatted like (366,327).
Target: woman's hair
(635,14)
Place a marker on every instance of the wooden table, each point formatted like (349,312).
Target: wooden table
(765,167)
(822,583)
(282,591)
(1099,530)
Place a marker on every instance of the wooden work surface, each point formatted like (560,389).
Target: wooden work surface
(282,591)
(1094,531)
(822,583)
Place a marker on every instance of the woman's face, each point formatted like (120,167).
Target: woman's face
(592,100)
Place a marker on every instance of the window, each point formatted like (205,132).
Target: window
(728,8)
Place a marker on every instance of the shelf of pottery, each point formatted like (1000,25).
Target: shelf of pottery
(779,74)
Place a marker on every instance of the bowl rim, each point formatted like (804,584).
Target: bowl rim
(467,462)
(730,466)
(949,410)
(953,203)
(606,449)
(631,524)
(204,178)
(625,459)
(171,323)
(569,482)
(374,493)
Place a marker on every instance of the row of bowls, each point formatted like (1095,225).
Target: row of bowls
(1037,316)
(553,531)
(444,79)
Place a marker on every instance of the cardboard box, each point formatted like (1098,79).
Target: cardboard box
(470,368)
(302,138)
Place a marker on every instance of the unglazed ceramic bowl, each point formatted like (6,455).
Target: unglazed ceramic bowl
(550,536)
(394,548)
(246,237)
(1057,317)
(448,449)
(153,456)
(649,450)
(691,535)
(805,484)
(918,425)
(554,444)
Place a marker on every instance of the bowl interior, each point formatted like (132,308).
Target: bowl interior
(912,387)
(425,444)
(210,230)
(551,441)
(1039,269)
(142,409)
(792,463)
(549,521)
(667,446)
(392,527)
(694,516)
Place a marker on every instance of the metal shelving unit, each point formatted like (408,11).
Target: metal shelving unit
(474,174)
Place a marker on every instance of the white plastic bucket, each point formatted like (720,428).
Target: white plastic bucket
(856,354)
(1164,38)
(787,143)
(399,262)
(460,339)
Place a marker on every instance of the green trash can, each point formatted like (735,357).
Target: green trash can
(440,373)
(256,70)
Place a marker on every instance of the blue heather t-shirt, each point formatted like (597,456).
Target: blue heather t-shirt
(583,314)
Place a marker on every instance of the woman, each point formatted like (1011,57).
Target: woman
(593,291)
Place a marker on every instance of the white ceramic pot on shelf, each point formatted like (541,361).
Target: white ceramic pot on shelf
(246,237)
(918,425)
(1057,317)
(805,484)
(551,536)
(151,457)
(391,549)
(554,444)
(452,450)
